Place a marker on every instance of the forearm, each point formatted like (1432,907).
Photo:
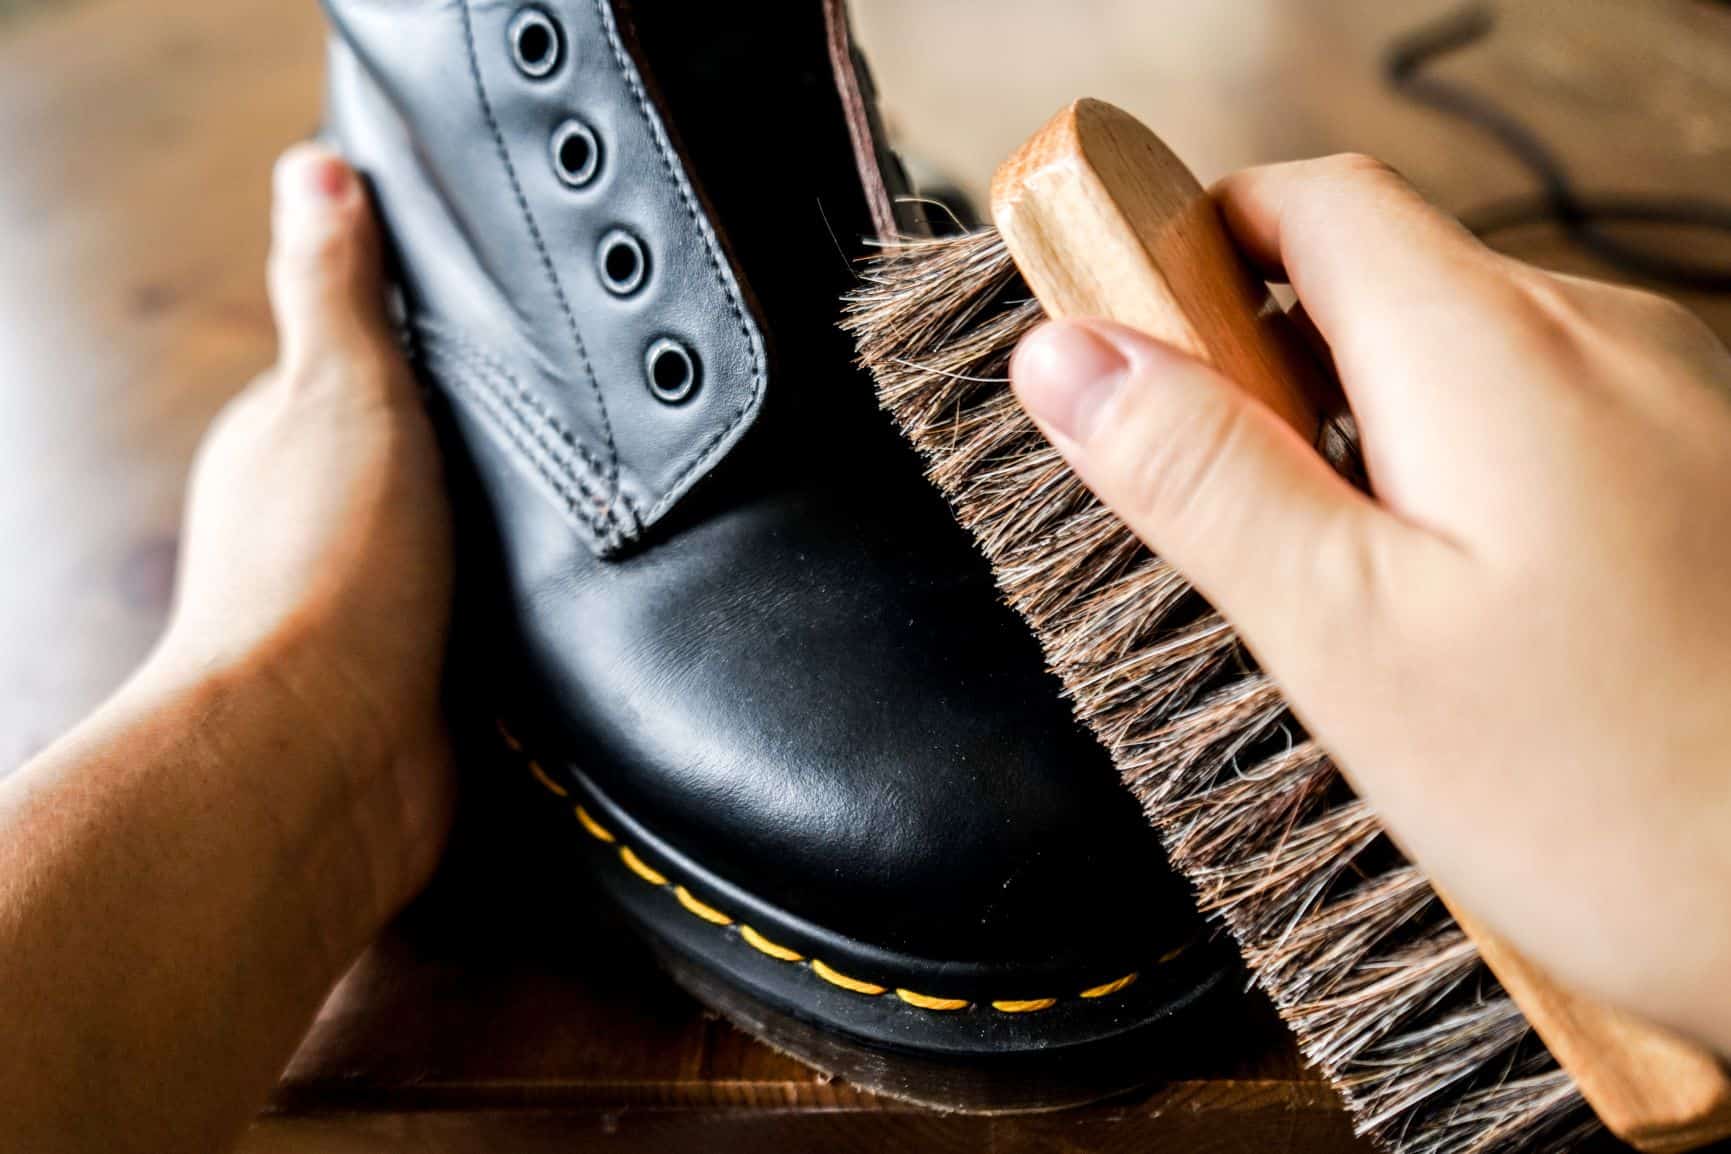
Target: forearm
(181,881)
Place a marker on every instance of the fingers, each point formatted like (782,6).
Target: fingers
(326,271)
(1372,261)
(1348,233)
(1421,319)
(1211,479)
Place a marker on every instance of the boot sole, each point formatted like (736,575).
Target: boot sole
(830,1007)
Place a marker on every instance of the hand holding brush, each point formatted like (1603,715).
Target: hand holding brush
(1519,650)
(1513,640)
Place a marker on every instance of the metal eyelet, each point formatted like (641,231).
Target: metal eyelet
(537,45)
(672,370)
(623,263)
(576,153)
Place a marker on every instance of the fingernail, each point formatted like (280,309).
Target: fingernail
(1066,376)
(309,176)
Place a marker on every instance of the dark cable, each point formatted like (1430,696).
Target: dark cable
(1580,216)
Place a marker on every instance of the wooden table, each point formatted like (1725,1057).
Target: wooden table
(136,141)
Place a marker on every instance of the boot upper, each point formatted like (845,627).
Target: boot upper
(719,588)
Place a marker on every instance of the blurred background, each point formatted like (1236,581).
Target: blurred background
(136,138)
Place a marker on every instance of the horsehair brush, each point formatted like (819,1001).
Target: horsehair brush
(1440,1039)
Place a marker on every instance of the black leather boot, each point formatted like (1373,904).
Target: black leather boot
(733,630)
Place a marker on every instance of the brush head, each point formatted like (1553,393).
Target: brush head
(1385,994)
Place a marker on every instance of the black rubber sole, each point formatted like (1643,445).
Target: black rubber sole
(828,1002)
(1025,1083)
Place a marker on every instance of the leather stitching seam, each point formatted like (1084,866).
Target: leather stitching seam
(711,250)
(611,472)
(478,358)
(491,387)
(430,329)
(723,921)
(468,378)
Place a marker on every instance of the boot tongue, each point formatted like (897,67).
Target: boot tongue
(883,178)
(749,94)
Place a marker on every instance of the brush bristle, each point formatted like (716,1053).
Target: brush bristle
(1386,995)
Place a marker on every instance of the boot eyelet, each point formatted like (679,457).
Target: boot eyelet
(623,263)
(576,153)
(672,371)
(536,43)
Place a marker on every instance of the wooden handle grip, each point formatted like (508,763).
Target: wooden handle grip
(1103,221)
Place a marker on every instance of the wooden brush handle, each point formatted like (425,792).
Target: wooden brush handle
(1103,221)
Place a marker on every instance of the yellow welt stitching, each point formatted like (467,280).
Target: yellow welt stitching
(540,775)
(636,865)
(842,980)
(779,952)
(596,830)
(1027,1007)
(1110,987)
(1173,955)
(764,946)
(708,913)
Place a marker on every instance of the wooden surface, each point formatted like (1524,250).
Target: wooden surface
(508,1012)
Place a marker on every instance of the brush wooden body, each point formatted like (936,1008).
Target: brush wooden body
(1102,220)
(1656,1091)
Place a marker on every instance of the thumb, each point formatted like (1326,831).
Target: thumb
(326,269)
(1208,477)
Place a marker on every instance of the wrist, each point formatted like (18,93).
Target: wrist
(355,804)
(287,672)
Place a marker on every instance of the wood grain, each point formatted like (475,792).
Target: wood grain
(1104,221)
(1656,1091)
(1193,1117)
